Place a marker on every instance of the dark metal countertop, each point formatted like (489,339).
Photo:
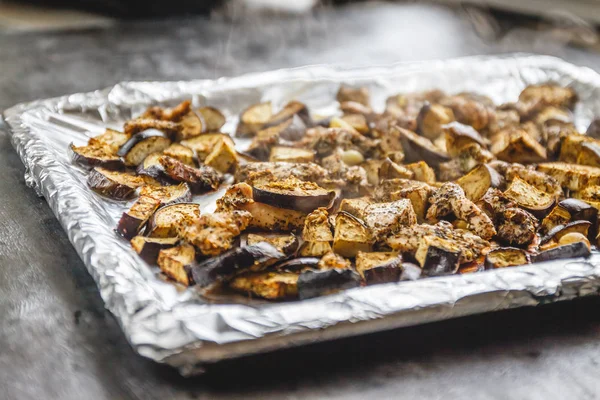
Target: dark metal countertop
(58,342)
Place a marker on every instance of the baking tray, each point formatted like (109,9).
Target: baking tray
(178,327)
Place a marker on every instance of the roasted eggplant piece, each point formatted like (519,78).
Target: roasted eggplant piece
(334,261)
(593,129)
(291,154)
(114,184)
(268,285)
(138,125)
(503,257)
(409,238)
(422,172)
(418,148)
(351,235)
(555,234)
(264,216)
(589,154)
(530,198)
(323,282)
(176,263)
(223,158)
(516,145)
(268,217)
(549,95)
(432,118)
(477,182)
(379,267)
(204,144)
(287,243)
(211,272)
(316,234)
(358,122)
(572,250)
(254,118)
(460,135)
(348,93)
(148,247)
(135,218)
(181,153)
(293,194)
(168,194)
(200,180)
(111,138)
(390,170)
(570,210)
(282,170)
(212,117)
(141,145)
(167,221)
(299,264)
(190,125)
(292,110)
(470,110)
(417,192)
(95,156)
(152,168)
(438,256)
(355,206)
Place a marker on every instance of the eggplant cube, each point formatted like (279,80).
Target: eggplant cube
(322,282)
(176,263)
(135,218)
(379,267)
(268,285)
(148,247)
(351,235)
(438,256)
(223,158)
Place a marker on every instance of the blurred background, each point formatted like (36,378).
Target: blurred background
(89,44)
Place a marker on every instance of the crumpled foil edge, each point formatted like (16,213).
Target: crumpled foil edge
(181,329)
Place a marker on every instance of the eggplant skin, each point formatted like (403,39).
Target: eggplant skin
(298,202)
(135,218)
(572,250)
(298,264)
(148,247)
(201,180)
(142,144)
(222,268)
(102,184)
(318,283)
(95,156)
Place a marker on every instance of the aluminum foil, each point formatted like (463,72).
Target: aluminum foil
(178,327)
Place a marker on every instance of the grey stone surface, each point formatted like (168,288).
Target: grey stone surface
(58,342)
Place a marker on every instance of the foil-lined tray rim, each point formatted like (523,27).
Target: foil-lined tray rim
(295,321)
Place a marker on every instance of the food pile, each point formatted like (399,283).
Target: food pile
(437,184)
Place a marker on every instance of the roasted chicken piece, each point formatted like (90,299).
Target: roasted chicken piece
(450,198)
(213,234)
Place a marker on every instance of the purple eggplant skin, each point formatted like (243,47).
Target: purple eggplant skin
(322,282)
(298,264)
(138,137)
(557,229)
(291,201)
(571,250)
(129,226)
(593,129)
(215,270)
(580,210)
(89,162)
(440,262)
(157,172)
(385,273)
(104,186)
(295,130)
(152,246)
(418,148)
(410,272)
